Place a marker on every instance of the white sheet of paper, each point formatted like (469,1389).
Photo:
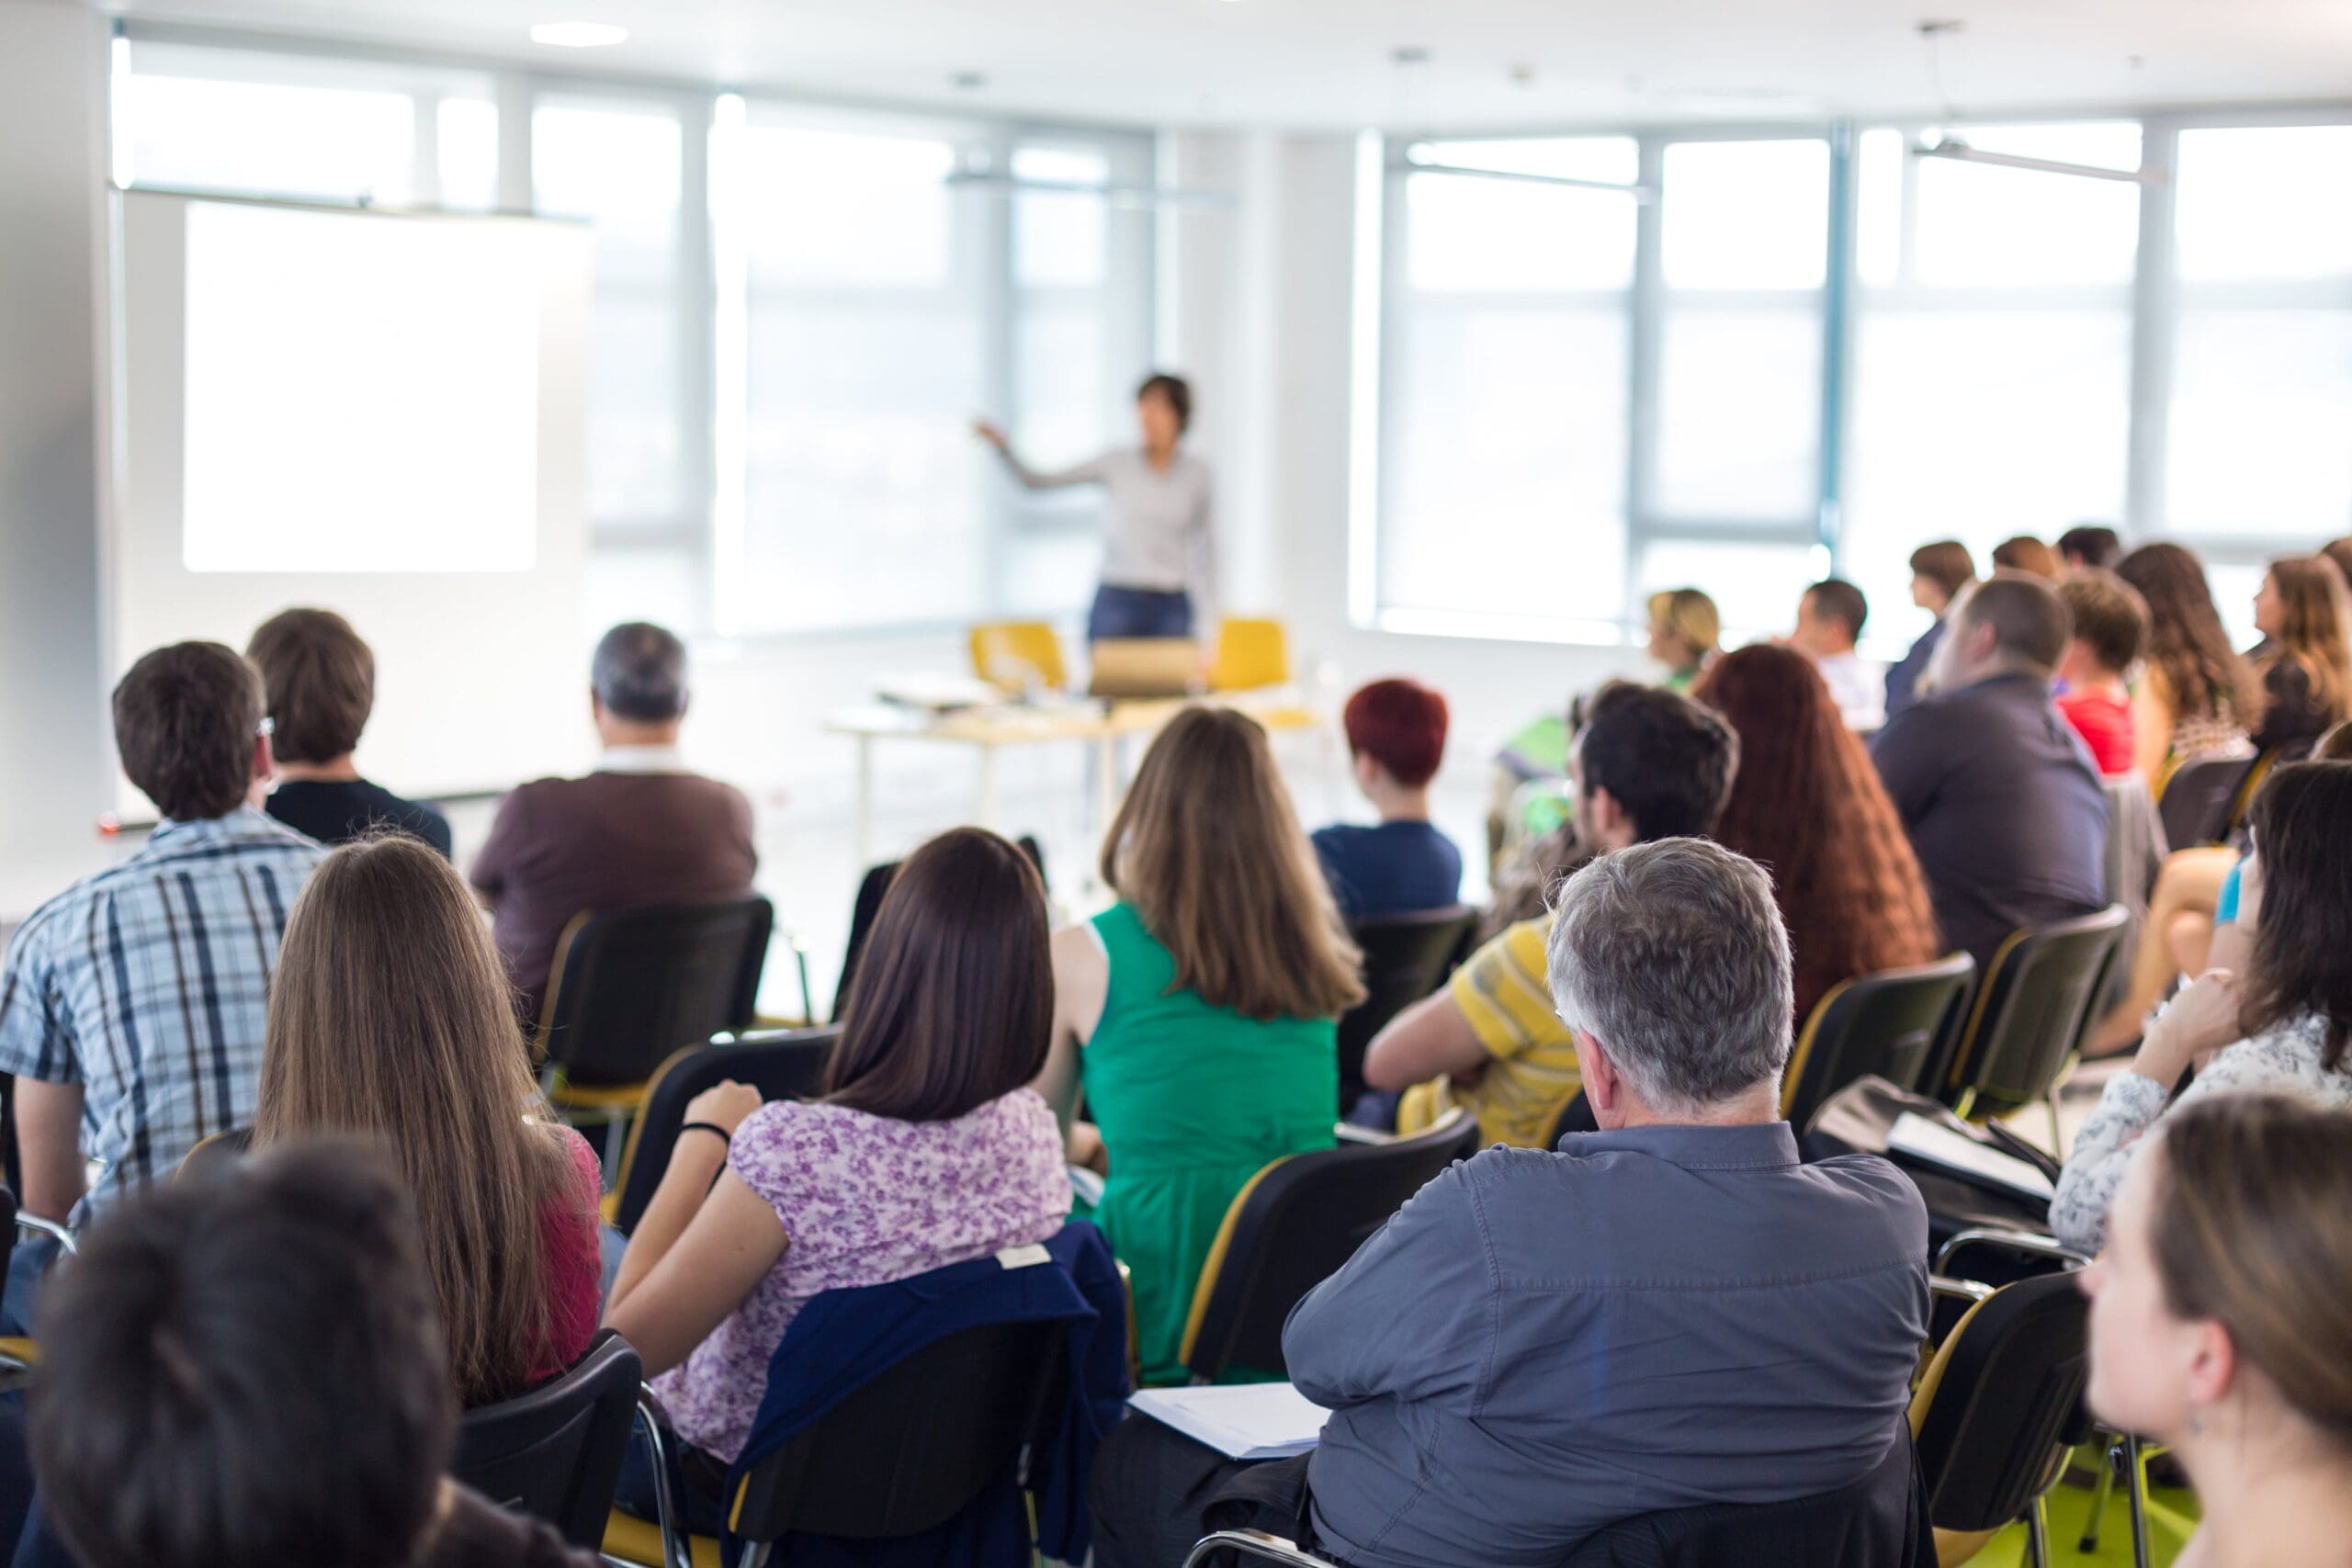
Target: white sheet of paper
(1924,1140)
(1246,1421)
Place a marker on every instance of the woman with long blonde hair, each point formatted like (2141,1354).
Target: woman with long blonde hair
(2304,659)
(390,1017)
(1198,1014)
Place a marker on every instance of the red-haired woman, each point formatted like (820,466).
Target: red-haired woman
(1807,805)
(1396,739)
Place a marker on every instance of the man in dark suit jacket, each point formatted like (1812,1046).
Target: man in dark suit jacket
(642,829)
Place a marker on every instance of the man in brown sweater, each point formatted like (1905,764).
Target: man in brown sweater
(640,828)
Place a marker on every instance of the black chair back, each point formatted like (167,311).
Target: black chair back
(634,985)
(1881,1521)
(782,1064)
(1889,1023)
(1291,1229)
(2000,1402)
(2031,1013)
(2197,800)
(1405,957)
(870,890)
(909,1450)
(1575,1116)
(555,1453)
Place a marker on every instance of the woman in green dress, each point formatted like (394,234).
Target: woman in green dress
(1198,1015)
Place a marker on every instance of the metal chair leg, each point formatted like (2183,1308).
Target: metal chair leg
(2135,1492)
(2110,1456)
(676,1552)
(2037,1534)
(755,1556)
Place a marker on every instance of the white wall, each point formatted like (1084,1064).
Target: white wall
(56,751)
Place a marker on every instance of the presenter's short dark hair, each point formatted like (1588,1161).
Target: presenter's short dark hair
(319,679)
(185,720)
(246,1367)
(640,672)
(1176,390)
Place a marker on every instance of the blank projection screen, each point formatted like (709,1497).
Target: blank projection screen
(378,413)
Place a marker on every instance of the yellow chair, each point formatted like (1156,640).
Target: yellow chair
(1013,654)
(1249,654)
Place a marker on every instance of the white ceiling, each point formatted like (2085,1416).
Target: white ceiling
(1327,64)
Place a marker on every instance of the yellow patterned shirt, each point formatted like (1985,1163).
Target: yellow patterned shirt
(1504,994)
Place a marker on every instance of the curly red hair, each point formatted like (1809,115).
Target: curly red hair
(1807,804)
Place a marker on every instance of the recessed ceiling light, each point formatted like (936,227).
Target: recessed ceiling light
(578,35)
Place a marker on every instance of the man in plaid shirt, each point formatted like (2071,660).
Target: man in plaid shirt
(131,1004)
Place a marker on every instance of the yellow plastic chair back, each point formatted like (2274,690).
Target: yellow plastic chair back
(1251,654)
(1013,654)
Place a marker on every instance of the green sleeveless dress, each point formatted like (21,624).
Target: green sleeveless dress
(1192,1099)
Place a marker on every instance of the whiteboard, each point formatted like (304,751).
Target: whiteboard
(372,413)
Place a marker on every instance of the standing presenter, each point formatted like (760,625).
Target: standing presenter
(1159,542)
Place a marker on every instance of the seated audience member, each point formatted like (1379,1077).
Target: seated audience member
(390,1017)
(1806,806)
(131,1003)
(1939,572)
(320,682)
(1199,1014)
(2197,697)
(1995,788)
(1829,617)
(2281,1024)
(2111,626)
(926,1149)
(2339,551)
(2305,661)
(2088,547)
(1669,1311)
(1686,633)
(1647,765)
(2218,1328)
(247,1368)
(642,829)
(2028,555)
(1396,739)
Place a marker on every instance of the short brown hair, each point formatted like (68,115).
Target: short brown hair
(1946,563)
(2027,554)
(185,718)
(1209,853)
(319,679)
(953,1003)
(2028,619)
(2109,618)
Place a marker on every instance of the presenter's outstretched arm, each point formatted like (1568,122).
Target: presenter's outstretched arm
(1027,477)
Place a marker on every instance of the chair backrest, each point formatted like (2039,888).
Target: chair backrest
(1013,654)
(634,985)
(555,1453)
(782,1064)
(2038,1002)
(1405,957)
(1877,1522)
(1292,1227)
(1999,1399)
(910,1449)
(1249,654)
(1889,1023)
(2196,800)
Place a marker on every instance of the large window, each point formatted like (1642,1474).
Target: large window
(1802,351)
(796,314)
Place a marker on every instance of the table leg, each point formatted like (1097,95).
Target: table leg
(865,803)
(1107,785)
(987,786)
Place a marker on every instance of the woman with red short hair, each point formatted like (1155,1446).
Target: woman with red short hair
(1396,739)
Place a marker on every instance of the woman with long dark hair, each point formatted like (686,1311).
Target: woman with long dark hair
(1807,805)
(925,1150)
(2197,697)
(2285,1023)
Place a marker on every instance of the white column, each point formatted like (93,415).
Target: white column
(56,746)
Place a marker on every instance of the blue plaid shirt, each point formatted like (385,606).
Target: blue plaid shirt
(145,984)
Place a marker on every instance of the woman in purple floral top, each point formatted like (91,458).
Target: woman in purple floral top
(924,1151)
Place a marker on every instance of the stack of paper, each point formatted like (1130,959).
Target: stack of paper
(1941,1146)
(1248,1421)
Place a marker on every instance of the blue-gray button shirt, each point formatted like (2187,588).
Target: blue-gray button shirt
(1540,1344)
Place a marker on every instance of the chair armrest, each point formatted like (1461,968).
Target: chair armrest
(1967,1291)
(676,1551)
(2025,1243)
(64,1237)
(1256,1544)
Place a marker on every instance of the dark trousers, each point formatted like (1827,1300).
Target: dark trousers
(1121,613)
(1156,1493)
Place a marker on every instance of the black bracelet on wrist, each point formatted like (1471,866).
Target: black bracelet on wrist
(724,1136)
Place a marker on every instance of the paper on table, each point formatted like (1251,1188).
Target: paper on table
(1924,1140)
(1246,1421)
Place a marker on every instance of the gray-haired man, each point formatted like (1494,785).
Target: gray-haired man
(1669,1311)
